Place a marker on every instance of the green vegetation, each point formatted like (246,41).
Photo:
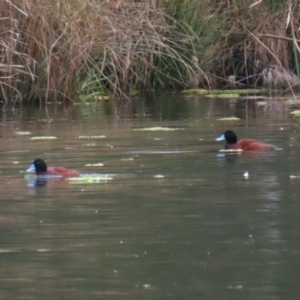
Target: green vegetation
(91,50)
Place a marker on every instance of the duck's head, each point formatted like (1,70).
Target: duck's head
(229,136)
(38,165)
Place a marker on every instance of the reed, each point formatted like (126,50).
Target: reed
(57,49)
(255,36)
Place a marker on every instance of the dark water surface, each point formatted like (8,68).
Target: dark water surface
(199,230)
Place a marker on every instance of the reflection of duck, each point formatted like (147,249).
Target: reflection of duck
(245,144)
(40,168)
(37,182)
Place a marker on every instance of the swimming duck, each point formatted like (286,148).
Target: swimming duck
(40,168)
(245,144)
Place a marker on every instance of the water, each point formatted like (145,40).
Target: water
(179,220)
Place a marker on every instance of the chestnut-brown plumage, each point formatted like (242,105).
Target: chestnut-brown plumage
(232,142)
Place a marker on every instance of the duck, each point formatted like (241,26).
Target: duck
(40,168)
(245,144)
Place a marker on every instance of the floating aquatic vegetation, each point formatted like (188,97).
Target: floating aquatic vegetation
(157,129)
(196,91)
(261,103)
(229,119)
(44,138)
(162,152)
(295,113)
(235,287)
(147,286)
(237,91)
(231,150)
(89,179)
(294,176)
(43,250)
(94,97)
(22,132)
(223,96)
(159,176)
(223,92)
(92,137)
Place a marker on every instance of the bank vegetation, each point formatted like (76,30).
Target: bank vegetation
(80,50)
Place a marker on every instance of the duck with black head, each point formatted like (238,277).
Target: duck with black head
(40,168)
(233,143)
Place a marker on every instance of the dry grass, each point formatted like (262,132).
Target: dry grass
(278,77)
(55,49)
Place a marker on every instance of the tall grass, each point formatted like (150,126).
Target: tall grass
(55,49)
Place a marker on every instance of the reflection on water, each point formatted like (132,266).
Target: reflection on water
(177,221)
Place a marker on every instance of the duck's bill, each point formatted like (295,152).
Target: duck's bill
(31,168)
(221,138)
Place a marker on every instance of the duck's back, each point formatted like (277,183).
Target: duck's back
(244,143)
(258,146)
(62,171)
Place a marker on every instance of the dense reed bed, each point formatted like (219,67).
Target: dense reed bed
(75,49)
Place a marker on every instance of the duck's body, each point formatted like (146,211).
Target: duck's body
(40,168)
(245,144)
(62,171)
